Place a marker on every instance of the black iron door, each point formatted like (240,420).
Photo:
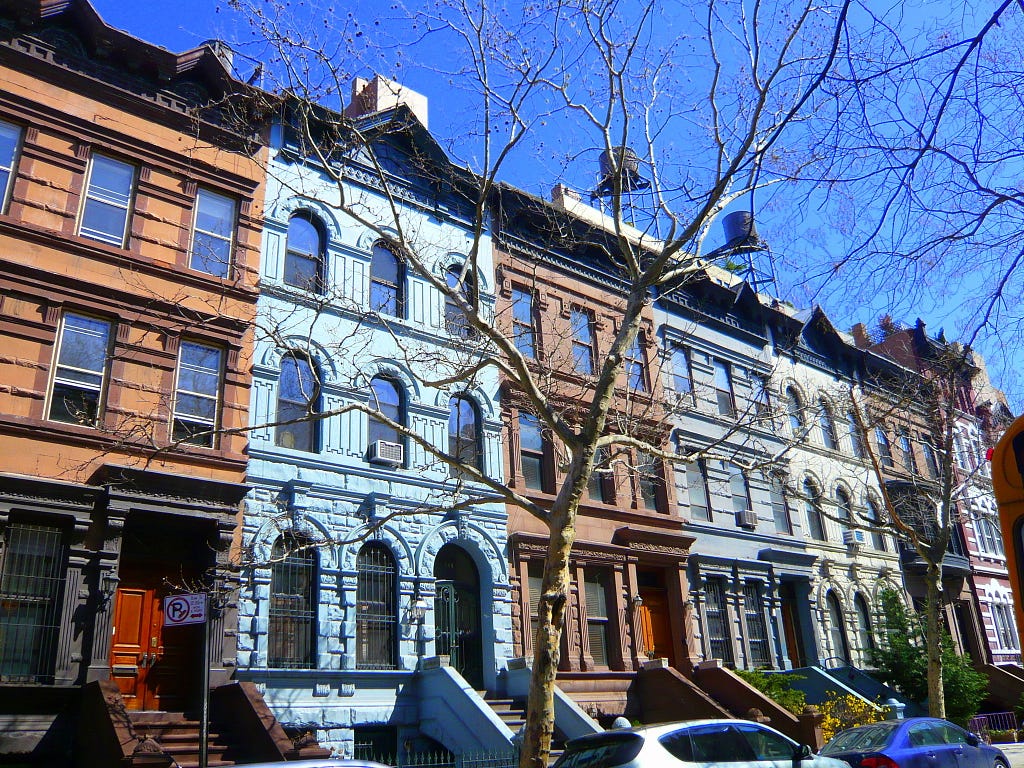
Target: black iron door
(457,610)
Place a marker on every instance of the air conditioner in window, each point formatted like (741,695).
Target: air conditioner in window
(383,452)
(852,537)
(746,518)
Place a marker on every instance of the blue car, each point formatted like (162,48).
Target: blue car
(917,742)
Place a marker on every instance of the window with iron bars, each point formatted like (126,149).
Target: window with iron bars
(376,609)
(32,564)
(757,628)
(291,635)
(716,619)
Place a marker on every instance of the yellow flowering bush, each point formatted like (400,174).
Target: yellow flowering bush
(846,711)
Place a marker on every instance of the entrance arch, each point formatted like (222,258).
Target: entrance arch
(457,613)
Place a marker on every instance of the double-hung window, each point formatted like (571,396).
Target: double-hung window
(79,380)
(757,627)
(716,621)
(648,480)
(828,428)
(884,448)
(582,342)
(531,452)
(780,505)
(601,486)
(739,491)
(682,379)
(723,389)
(387,279)
(213,234)
(523,335)
(108,201)
(635,367)
(907,450)
(597,615)
(856,436)
(697,490)
(931,461)
(197,394)
(10,143)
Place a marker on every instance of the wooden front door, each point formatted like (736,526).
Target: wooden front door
(791,625)
(152,666)
(657,628)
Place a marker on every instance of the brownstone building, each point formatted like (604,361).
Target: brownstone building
(129,239)
(562,303)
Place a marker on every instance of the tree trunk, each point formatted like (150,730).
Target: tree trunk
(540,706)
(933,639)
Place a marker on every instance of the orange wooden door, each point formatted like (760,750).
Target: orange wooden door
(134,644)
(151,666)
(657,633)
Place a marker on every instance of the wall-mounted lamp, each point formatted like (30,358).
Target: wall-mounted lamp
(637,601)
(108,586)
(418,609)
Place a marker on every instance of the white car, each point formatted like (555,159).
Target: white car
(707,743)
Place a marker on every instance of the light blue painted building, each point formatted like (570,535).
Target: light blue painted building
(368,558)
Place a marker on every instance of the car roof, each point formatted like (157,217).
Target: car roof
(659,729)
(326,762)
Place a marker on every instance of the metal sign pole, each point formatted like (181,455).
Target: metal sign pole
(204,715)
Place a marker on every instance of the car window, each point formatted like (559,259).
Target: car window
(719,744)
(767,745)
(953,735)
(865,738)
(605,750)
(678,745)
(924,735)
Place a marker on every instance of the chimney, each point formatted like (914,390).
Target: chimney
(380,94)
(860,336)
(560,193)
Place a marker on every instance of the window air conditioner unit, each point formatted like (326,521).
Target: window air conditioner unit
(854,537)
(383,452)
(746,519)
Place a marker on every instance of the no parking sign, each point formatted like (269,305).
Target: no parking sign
(180,610)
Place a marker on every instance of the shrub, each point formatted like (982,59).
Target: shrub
(844,711)
(778,688)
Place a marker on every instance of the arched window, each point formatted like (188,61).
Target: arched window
(298,397)
(865,637)
(856,436)
(464,436)
(795,409)
(376,608)
(837,629)
(455,319)
(387,398)
(292,619)
(877,536)
(387,282)
(828,426)
(844,508)
(304,257)
(812,504)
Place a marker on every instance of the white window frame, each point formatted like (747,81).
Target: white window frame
(7,191)
(127,206)
(230,239)
(102,371)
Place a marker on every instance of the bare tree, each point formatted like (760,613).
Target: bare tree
(705,105)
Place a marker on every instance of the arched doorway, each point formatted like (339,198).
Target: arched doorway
(457,613)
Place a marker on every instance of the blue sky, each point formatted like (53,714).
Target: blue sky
(806,238)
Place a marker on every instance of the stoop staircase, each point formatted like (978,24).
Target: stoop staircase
(513,713)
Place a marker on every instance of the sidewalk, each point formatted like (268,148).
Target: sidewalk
(1015,752)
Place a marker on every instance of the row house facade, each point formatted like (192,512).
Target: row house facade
(786,571)
(561,303)
(129,234)
(981,615)
(367,553)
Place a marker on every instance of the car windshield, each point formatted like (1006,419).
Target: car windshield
(868,737)
(604,751)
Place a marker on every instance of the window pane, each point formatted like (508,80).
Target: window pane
(795,408)
(197,396)
(386,398)
(303,259)
(530,436)
(696,487)
(582,342)
(757,628)
(738,490)
(385,281)
(812,501)
(635,367)
(649,479)
(463,433)
(376,608)
(31,584)
(107,200)
(297,398)
(522,322)
(681,381)
(216,214)
(10,137)
(293,605)
(780,506)
(717,620)
(81,365)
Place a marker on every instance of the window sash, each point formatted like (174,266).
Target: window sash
(10,148)
(522,322)
(828,429)
(106,207)
(884,448)
(291,637)
(757,628)
(376,609)
(197,393)
(80,373)
(597,615)
(32,563)
(648,481)
(634,367)
(531,452)
(716,618)
(780,507)
(740,493)
(723,389)
(682,378)
(697,490)
(213,233)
